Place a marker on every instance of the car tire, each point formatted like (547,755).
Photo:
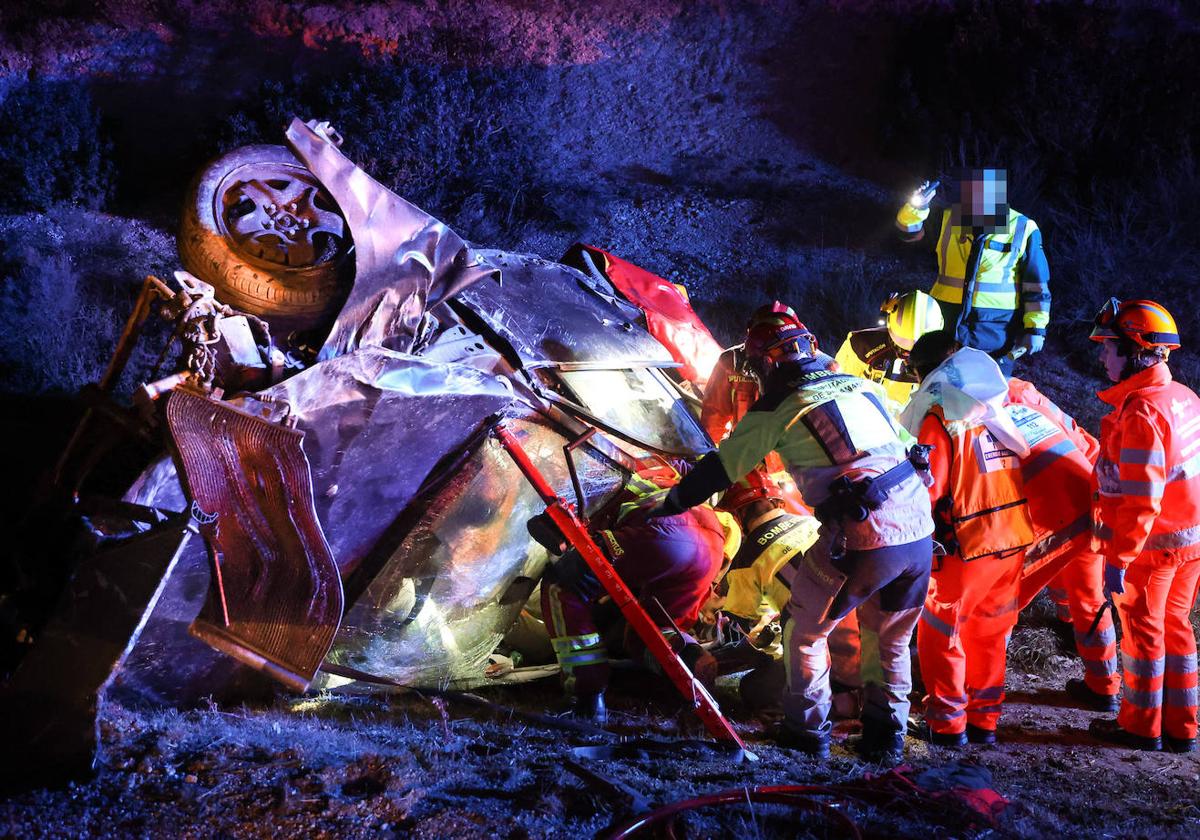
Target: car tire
(294,267)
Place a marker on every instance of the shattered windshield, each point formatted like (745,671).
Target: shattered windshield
(639,403)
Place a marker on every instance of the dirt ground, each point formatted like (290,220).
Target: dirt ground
(374,764)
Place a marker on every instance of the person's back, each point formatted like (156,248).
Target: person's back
(978,497)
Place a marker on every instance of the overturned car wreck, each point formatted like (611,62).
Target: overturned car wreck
(332,481)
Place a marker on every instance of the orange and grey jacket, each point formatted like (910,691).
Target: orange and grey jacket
(977,493)
(1148,474)
(1057,472)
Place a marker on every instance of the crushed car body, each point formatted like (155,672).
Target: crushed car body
(342,499)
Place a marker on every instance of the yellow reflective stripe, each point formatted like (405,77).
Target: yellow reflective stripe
(910,219)
(996,300)
(1036,320)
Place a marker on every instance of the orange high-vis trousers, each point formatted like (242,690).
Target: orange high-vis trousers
(1158,650)
(962,640)
(1083,579)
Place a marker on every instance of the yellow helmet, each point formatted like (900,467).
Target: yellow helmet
(910,316)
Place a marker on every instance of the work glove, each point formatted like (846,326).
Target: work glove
(669,506)
(1027,344)
(924,195)
(572,572)
(1114,580)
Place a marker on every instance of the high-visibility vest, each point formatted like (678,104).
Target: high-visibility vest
(758,583)
(988,510)
(870,354)
(994,279)
(1056,474)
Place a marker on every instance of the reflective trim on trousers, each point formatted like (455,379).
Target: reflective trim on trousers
(1151,699)
(948,712)
(988,710)
(1181,663)
(1102,637)
(937,624)
(1104,666)
(994,692)
(1145,668)
(1185,697)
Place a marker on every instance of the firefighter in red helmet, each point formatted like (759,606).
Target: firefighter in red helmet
(848,459)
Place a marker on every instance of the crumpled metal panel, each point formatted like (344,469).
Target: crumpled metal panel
(376,422)
(550,313)
(405,260)
(457,582)
(276,594)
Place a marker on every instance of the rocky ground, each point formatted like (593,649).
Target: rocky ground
(373,765)
(748,150)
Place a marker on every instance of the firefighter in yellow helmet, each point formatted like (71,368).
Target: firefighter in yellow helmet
(880,354)
(993,281)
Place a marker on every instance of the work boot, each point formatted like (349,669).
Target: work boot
(879,746)
(816,745)
(1179,745)
(1079,691)
(1110,731)
(951,740)
(979,735)
(590,707)
(762,688)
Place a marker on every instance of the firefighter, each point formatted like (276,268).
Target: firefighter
(847,458)
(1148,524)
(880,353)
(983,522)
(993,280)
(1057,476)
(732,389)
(669,561)
(754,591)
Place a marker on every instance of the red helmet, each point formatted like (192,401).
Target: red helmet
(1145,323)
(757,486)
(769,344)
(772,313)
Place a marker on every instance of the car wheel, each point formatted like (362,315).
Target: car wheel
(259,227)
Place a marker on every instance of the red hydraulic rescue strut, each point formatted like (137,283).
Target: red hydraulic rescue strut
(564,516)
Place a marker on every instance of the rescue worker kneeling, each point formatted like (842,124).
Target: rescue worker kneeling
(670,560)
(753,593)
(983,521)
(846,456)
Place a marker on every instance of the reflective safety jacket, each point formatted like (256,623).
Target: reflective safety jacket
(728,396)
(1057,472)
(977,493)
(871,355)
(985,281)
(756,587)
(1148,473)
(826,425)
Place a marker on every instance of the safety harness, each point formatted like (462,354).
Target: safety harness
(854,500)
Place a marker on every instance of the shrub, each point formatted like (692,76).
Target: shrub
(54,150)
